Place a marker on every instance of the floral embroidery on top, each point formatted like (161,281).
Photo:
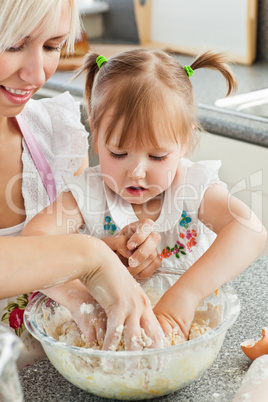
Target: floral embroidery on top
(185,220)
(109,225)
(15,312)
(188,240)
(177,249)
(191,235)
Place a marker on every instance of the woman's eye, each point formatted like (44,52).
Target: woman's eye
(158,158)
(15,49)
(52,48)
(118,156)
(46,47)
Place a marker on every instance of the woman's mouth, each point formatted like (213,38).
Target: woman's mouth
(17,96)
(135,190)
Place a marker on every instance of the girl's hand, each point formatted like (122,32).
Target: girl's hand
(125,303)
(136,246)
(175,311)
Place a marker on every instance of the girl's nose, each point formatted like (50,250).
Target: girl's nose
(137,172)
(32,71)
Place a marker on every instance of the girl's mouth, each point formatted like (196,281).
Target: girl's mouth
(16,96)
(135,190)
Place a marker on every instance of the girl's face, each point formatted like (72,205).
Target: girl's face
(137,175)
(26,66)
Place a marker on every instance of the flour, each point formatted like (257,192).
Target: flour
(138,170)
(86,308)
(62,328)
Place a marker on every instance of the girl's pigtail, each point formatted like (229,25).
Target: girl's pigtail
(91,69)
(216,61)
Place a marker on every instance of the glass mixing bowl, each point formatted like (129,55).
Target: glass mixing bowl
(133,375)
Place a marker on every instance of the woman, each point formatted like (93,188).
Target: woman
(39,142)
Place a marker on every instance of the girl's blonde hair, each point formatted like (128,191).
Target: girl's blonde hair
(150,93)
(18,18)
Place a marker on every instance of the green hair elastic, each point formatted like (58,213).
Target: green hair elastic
(100,60)
(189,70)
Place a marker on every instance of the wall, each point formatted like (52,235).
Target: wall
(244,170)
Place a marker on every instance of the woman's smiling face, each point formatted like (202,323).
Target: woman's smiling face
(28,64)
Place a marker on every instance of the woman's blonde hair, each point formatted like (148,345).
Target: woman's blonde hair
(18,18)
(150,93)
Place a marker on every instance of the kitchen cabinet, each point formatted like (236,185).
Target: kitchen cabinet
(244,170)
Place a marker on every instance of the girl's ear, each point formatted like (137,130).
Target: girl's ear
(94,142)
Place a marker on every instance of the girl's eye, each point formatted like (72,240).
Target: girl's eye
(118,156)
(158,158)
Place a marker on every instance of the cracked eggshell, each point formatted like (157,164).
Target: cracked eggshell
(254,349)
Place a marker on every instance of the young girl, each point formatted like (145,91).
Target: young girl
(39,142)
(143,122)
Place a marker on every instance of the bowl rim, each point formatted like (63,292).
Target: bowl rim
(42,337)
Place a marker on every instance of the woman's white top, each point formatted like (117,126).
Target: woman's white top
(55,123)
(184,238)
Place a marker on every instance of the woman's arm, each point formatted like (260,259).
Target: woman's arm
(31,263)
(240,239)
(136,244)
(63,216)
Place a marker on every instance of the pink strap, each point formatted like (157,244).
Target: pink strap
(39,159)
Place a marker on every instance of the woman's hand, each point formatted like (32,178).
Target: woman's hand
(136,246)
(125,303)
(108,301)
(91,319)
(85,310)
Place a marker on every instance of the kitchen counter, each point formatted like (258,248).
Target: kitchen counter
(42,383)
(208,87)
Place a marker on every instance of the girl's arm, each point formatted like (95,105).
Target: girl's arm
(240,239)
(61,217)
(30,263)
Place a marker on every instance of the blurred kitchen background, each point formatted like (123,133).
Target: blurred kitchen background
(116,22)
(235,132)
(235,128)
